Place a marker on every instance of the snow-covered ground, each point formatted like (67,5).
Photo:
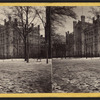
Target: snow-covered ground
(76,75)
(17,76)
(30,60)
(83,58)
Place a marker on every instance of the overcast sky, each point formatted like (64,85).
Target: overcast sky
(68,26)
(37,21)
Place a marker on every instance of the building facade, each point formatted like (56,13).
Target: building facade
(11,42)
(58,46)
(69,44)
(87,38)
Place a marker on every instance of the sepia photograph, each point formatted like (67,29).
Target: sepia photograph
(25,57)
(76,50)
(49,49)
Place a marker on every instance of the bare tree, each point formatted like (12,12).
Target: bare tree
(26,15)
(94,12)
(59,14)
(50,17)
(47,26)
(55,16)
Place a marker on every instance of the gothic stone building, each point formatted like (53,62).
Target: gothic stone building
(11,43)
(87,37)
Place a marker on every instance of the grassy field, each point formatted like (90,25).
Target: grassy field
(76,75)
(17,76)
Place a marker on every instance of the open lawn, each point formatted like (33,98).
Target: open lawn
(17,76)
(76,75)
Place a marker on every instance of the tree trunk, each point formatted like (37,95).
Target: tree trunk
(27,50)
(27,11)
(25,46)
(48,33)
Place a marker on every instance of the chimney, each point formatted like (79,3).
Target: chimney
(39,27)
(98,16)
(83,18)
(93,19)
(32,25)
(68,32)
(15,21)
(9,18)
(74,23)
(4,21)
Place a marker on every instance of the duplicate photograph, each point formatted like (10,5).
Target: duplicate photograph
(76,50)
(49,49)
(25,57)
